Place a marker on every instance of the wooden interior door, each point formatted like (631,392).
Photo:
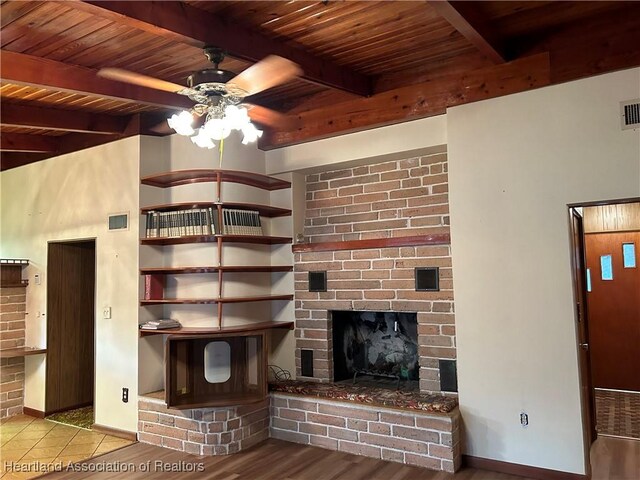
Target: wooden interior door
(614,312)
(582,316)
(70,325)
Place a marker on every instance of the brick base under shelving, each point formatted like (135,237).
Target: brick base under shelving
(202,431)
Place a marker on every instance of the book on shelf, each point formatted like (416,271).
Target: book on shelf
(241,222)
(153,287)
(179,223)
(161,324)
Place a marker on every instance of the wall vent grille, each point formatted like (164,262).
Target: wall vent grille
(119,221)
(630,112)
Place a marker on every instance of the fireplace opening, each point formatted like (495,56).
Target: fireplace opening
(376,348)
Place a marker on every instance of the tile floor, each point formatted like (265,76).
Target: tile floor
(36,443)
(618,413)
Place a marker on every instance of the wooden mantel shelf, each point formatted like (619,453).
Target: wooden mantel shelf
(204,331)
(419,240)
(21,352)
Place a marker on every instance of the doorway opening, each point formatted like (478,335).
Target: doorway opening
(70,377)
(606,241)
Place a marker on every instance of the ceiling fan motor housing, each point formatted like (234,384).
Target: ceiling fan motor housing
(209,75)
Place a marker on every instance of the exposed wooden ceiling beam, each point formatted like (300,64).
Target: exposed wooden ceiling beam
(15,115)
(468,21)
(416,101)
(23,69)
(23,149)
(10,160)
(184,23)
(21,142)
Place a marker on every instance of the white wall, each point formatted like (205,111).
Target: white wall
(515,163)
(69,198)
(419,137)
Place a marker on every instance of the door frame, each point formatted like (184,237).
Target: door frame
(578,279)
(95,310)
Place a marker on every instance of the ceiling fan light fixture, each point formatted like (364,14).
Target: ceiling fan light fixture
(217,128)
(182,123)
(251,133)
(203,140)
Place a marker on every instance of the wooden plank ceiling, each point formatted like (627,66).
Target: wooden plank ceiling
(366,63)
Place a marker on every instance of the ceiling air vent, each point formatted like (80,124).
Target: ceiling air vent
(630,112)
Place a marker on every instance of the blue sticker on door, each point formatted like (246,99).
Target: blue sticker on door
(606,267)
(629,255)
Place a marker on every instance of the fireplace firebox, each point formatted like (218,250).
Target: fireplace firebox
(379,347)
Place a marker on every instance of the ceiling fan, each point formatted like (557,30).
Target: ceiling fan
(219,96)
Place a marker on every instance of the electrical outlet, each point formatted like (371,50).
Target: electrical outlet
(106,312)
(125,394)
(524,419)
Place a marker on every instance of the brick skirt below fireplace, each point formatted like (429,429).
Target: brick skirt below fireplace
(430,440)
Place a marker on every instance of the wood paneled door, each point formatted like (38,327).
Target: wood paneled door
(70,325)
(614,309)
(582,317)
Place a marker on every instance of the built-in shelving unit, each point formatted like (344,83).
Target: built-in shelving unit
(195,301)
(265,210)
(215,269)
(257,239)
(185,177)
(186,344)
(189,331)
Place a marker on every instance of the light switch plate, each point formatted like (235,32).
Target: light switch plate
(106,313)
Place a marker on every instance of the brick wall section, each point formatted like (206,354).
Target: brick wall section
(203,431)
(400,198)
(12,335)
(410,437)
(392,199)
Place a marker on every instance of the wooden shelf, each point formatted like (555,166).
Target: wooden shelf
(21,352)
(228,269)
(185,177)
(260,239)
(255,327)
(209,301)
(265,210)
(434,239)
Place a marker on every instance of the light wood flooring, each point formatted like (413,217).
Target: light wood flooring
(615,459)
(273,460)
(32,441)
(612,459)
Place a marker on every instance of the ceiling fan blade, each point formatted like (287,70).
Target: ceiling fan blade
(120,75)
(271,118)
(267,73)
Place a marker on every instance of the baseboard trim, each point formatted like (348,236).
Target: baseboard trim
(115,432)
(32,412)
(521,470)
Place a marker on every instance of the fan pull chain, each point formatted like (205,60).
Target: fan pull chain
(221,151)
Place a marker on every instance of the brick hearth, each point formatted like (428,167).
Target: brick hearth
(393,199)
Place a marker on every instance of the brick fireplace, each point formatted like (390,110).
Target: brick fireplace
(401,203)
